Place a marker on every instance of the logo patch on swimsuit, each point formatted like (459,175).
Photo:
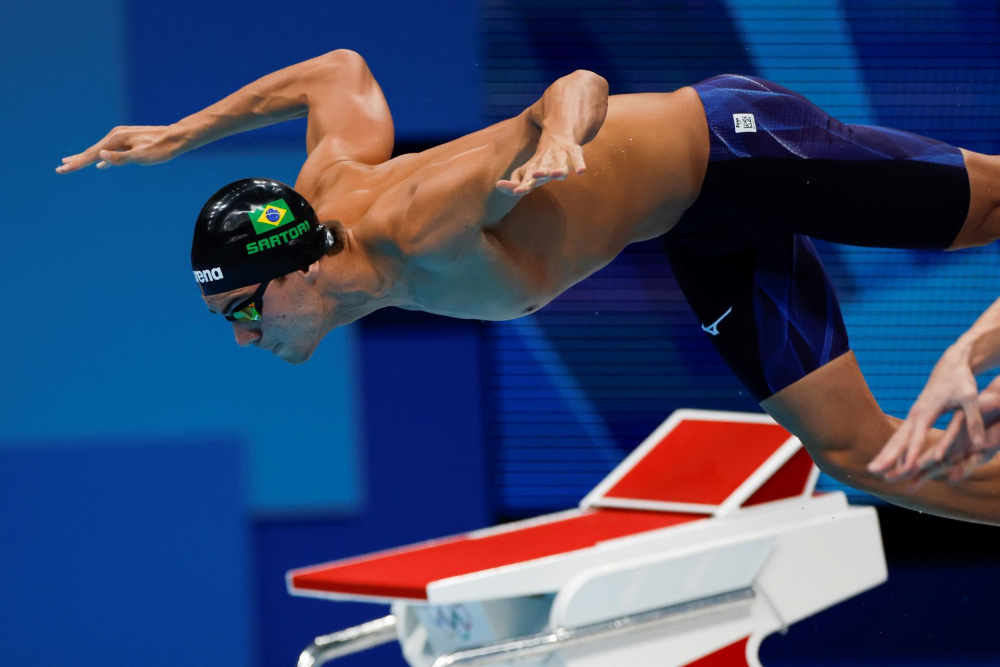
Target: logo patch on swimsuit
(713,328)
(273,215)
(744,122)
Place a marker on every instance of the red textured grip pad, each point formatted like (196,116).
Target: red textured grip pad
(406,573)
(700,462)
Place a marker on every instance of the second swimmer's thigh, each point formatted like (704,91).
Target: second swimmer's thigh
(769,308)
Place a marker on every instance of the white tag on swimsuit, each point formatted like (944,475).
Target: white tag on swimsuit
(744,122)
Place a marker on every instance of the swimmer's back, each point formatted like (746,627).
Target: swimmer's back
(644,169)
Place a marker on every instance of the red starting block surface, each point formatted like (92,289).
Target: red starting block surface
(706,462)
(696,465)
(405,573)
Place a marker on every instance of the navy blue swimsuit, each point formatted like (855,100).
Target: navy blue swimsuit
(781,169)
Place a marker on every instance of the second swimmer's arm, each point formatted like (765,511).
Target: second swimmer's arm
(981,343)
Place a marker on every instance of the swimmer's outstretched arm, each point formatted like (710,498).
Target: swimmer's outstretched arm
(347,114)
(973,435)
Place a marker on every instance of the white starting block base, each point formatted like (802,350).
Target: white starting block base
(751,584)
(706,540)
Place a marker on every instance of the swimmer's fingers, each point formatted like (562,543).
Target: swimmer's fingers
(933,470)
(981,454)
(79,161)
(509,186)
(116,140)
(898,459)
(76,162)
(71,164)
(951,387)
(555,160)
(962,471)
(964,456)
(989,404)
(104,160)
(559,161)
(969,421)
(506,187)
(526,185)
(953,470)
(939,459)
(967,467)
(909,466)
(911,430)
(125,145)
(974,425)
(521,181)
(115,158)
(579,164)
(974,440)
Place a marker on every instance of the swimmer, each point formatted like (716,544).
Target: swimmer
(733,174)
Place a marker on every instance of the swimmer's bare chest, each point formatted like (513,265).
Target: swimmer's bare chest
(644,169)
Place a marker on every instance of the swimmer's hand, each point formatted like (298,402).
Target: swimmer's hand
(959,460)
(554,160)
(137,144)
(951,388)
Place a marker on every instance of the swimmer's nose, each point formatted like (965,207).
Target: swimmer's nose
(245,335)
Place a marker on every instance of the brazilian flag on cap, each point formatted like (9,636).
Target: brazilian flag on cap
(271,216)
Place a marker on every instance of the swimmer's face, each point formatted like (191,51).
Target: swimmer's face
(291,322)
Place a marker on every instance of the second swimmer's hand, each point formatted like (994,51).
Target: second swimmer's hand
(962,457)
(951,388)
(554,160)
(137,144)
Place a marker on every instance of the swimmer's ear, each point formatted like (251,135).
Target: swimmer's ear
(312,272)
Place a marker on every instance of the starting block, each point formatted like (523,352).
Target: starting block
(704,541)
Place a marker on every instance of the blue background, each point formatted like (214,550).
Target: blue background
(156,481)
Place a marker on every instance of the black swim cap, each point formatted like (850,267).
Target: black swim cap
(254,230)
